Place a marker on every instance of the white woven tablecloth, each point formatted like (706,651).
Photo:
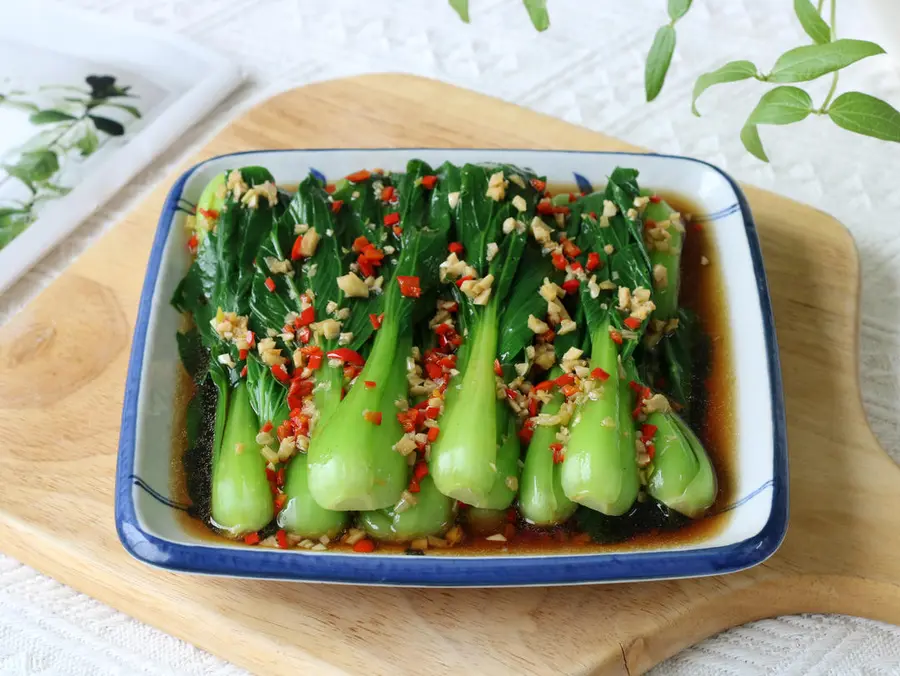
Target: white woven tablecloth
(587,69)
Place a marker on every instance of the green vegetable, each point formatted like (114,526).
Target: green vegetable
(432,514)
(665,293)
(600,469)
(683,477)
(464,461)
(218,283)
(352,462)
(506,479)
(542,500)
(241,499)
(211,200)
(301,515)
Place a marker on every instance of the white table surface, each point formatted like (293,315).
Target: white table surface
(587,69)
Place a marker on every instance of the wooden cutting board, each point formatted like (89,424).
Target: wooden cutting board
(62,369)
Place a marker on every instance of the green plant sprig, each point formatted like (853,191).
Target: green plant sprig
(784,104)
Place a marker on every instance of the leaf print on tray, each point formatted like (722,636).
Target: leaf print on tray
(70,126)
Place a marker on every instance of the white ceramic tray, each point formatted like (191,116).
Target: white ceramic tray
(86,103)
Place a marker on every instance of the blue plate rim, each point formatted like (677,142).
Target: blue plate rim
(462,571)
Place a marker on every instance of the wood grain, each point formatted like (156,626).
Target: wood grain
(61,397)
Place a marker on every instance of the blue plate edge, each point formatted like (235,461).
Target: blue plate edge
(440,571)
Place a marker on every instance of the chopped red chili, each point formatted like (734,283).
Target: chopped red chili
(398,231)
(497,368)
(366,267)
(280,373)
(465,278)
(281,539)
(647,431)
(545,207)
(414,486)
(314,362)
(360,244)
(632,323)
(545,385)
(373,417)
(409,286)
(267,427)
(571,285)
(593,261)
(565,379)
(570,390)
(192,243)
(244,371)
(376,320)
(346,355)
(209,214)
(616,337)
(599,374)
(456,247)
(656,199)
(307,316)
(270,284)
(364,546)
(392,218)
(532,407)
(429,181)
(387,193)
(359,176)
(420,471)
(525,435)
(370,384)
(251,539)
(559,261)
(558,456)
(336,205)
(242,354)
(538,184)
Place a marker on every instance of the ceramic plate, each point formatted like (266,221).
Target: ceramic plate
(152,530)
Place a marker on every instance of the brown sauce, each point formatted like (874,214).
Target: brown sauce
(702,290)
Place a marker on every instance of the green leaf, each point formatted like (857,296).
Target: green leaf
(88,143)
(49,117)
(107,125)
(812,61)
(12,223)
(730,72)
(194,356)
(524,300)
(658,61)
(867,115)
(678,8)
(21,105)
(812,22)
(752,142)
(537,12)
(34,166)
(462,8)
(782,105)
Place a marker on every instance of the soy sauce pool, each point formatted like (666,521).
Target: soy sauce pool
(702,291)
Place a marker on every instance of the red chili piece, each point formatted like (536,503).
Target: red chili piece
(346,355)
(409,286)
(392,218)
(270,284)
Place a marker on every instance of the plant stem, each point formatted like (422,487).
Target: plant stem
(834,79)
(819,7)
